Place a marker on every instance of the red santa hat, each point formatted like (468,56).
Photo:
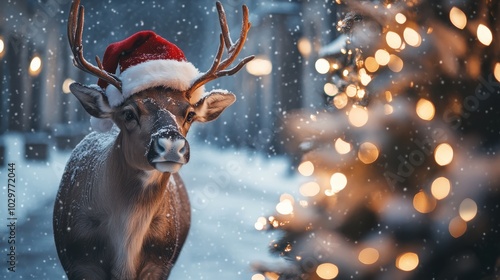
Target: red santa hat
(145,60)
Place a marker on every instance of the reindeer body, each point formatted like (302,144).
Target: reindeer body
(135,231)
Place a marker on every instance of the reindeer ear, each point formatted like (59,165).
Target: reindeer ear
(211,105)
(93,100)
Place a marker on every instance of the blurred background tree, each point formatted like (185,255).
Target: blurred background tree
(402,163)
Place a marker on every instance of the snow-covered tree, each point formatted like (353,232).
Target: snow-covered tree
(403,164)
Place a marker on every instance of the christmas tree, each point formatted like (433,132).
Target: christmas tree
(402,164)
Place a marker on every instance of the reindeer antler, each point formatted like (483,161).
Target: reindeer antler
(218,68)
(75,33)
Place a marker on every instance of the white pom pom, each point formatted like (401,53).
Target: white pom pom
(101,125)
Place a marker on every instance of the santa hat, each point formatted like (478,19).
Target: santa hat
(145,60)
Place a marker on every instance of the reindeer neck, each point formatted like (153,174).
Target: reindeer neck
(142,186)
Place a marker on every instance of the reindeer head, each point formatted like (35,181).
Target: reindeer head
(153,103)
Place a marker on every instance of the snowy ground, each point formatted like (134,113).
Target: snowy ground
(229,190)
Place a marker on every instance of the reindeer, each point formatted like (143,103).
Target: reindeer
(122,210)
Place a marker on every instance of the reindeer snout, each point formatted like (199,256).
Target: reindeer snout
(171,149)
(168,152)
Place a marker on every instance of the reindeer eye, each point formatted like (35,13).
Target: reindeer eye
(129,116)
(190,116)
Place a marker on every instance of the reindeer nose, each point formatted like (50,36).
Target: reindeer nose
(172,149)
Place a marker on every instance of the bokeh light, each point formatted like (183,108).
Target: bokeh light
(457,227)
(484,35)
(393,40)
(340,100)
(407,261)
(66,84)
(309,189)
(358,116)
(306,168)
(2,47)
(338,182)
(368,256)
(258,277)
(412,37)
(425,109)
(440,188)
(382,57)
(395,63)
(305,46)
(342,147)
(424,203)
(35,66)
(351,90)
(327,271)
(496,71)
(330,89)
(322,66)
(443,154)
(458,18)
(285,207)
(467,209)
(371,64)
(261,223)
(368,153)
(400,18)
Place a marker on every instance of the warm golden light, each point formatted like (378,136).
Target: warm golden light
(306,168)
(388,96)
(330,89)
(458,18)
(327,271)
(309,189)
(258,277)
(368,153)
(285,207)
(388,109)
(443,154)
(423,203)
(412,37)
(382,57)
(361,93)
(261,223)
(35,66)
(259,66)
(364,77)
(407,261)
(368,256)
(496,71)
(65,85)
(322,66)
(358,116)
(371,64)
(484,35)
(340,100)
(400,18)
(271,276)
(2,47)
(457,227)
(338,181)
(305,47)
(467,209)
(440,188)
(393,40)
(342,147)
(351,90)
(425,109)
(395,63)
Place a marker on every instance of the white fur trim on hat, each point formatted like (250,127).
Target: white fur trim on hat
(169,73)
